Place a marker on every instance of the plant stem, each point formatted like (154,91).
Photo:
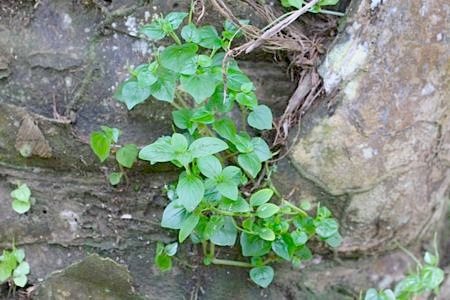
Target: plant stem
(191,11)
(233,263)
(211,250)
(331,12)
(301,211)
(175,105)
(244,117)
(175,37)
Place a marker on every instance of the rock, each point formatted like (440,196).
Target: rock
(92,278)
(379,156)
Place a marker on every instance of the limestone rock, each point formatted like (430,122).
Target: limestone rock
(92,278)
(379,156)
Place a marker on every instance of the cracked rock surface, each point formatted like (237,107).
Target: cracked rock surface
(378,155)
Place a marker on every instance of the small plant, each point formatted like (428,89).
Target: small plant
(427,277)
(102,143)
(13,267)
(221,195)
(21,202)
(317,8)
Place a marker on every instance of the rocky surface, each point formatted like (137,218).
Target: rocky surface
(385,148)
(377,152)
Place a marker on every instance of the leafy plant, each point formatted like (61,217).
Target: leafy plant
(102,143)
(21,202)
(13,267)
(221,197)
(317,8)
(427,277)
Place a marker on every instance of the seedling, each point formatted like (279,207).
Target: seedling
(317,8)
(221,195)
(13,268)
(427,278)
(21,202)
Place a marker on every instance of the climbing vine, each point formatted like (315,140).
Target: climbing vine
(224,193)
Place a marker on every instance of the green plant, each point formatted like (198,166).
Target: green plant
(317,8)
(427,277)
(103,141)
(21,202)
(221,194)
(13,267)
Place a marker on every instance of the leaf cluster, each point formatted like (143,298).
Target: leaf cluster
(21,201)
(427,277)
(14,267)
(102,143)
(317,8)
(219,162)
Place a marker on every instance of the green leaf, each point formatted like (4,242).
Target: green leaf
(146,75)
(159,151)
(260,118)
(232,173)
(232,30)
(225,128)
(209,38)
(111,133)
(182,118)
(235,79)
(242,143)
(430,259)
(154,30)
(323,212)
(199,86)
(114,178)
(204,61)
(261,149)
(190,33)
(5,272)
(326,228)
(335,240)
(228,189)
(267,210)
(249,100)
(328,2)
(179,142)
(127,155)
(226,234)
(171,249)
(19,254)
(431,277)
(20,281)
(266,234)
(240,205)
(372,294)
(262,276)
(207,146)
(173,216)
(260,197)
(252,245)
(190,191)
(22,269)
(299,237)
(209,166)
(132,94)
(180,58)
(410,284)
(175,19)
(214,223)
(163,262)
(203,115)
(187,227)
(247,87)
(20,206)
(100,144)
(164,88)
(281,249)
(21,193)
(250,163)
